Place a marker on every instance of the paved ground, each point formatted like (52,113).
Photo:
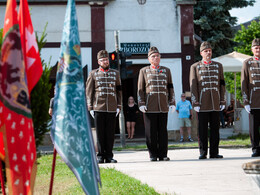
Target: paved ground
(185,174)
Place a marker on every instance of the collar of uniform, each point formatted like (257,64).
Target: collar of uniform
(155,67)
(103,70)
(205,62)
(256,58)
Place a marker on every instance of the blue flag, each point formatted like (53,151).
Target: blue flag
(71,132)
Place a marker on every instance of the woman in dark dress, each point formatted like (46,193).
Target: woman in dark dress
(131,111)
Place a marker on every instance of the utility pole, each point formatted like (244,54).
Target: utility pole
(121,114)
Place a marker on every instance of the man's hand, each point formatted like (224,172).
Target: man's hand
(117,111)
(172,108)
(222,107)
(143,109)
(92,113)
(248,109)
(197,108)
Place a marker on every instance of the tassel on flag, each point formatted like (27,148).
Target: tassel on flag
(16,123)
(71,132)
(29,44)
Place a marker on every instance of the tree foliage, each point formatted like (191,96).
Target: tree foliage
(230,86)
(40,97)
(213,22)
(245,36)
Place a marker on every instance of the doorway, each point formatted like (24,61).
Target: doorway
(129,88)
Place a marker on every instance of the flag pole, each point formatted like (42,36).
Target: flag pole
(2,179)
(53,169)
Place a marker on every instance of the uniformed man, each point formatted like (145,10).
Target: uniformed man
(103,92)
(155,96)
(207,94)
(250,84)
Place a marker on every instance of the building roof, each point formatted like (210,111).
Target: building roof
(232,62)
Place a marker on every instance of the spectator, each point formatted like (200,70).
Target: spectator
(131,111)
(184,109)
(51,104)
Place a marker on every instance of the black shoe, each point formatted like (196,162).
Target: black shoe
(181,140)
(153,159)
(216,156)
(203,157)
(255,154)
(100,160)
(164,159)
(111,160)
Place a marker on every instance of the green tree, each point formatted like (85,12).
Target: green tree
(213,22)
(40,96)
(230,86)
(244,39)
(245,36)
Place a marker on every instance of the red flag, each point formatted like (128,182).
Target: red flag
(29,44)
(16,118)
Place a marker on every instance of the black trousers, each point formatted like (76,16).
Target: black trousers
(156,134)
(213,119)
(254,130)
(105,123)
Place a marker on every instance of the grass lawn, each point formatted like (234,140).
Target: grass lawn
(240,140)
(113,182)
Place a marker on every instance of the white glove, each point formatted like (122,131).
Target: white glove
(172,108)
(248,109)
(143,109)
(117,111)
(92,113)
(222,107)
(197,108)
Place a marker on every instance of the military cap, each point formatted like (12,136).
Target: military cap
(205,45)
(153,50)
(256,42)
(102,54)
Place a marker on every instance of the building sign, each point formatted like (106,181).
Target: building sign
(135,48)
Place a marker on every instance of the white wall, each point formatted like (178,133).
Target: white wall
(54,16)
(52,55)
(157,22)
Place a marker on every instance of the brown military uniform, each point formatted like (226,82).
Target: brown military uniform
(103,90)
(155,89)
(250,82)
(207,86)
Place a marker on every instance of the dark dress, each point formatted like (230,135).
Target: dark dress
(131,113)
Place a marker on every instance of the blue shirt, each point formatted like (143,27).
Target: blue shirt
(184,108)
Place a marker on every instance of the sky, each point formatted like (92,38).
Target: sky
(246,14)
